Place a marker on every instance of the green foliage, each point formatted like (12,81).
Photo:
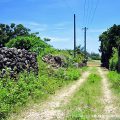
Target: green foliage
(47,39)
(20,43)
(109,39)
(114,77)
(94,56)
(31,43)
(79,50)
(16,93)
(76,115)
(79,58)
(8,32)
(113,63)
(68,74)
(72,74)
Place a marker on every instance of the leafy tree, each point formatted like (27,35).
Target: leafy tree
(80,49)
(47,39)
(31,43)
(109,39)
(8,32)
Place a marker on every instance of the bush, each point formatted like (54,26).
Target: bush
(113,63)
(15,93)
(31,43)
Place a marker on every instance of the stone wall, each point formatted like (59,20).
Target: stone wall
(54,61)
(17,60)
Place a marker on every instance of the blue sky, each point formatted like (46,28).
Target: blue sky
(54,19)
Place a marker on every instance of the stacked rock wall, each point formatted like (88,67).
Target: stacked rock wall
(17,60)
(54,61)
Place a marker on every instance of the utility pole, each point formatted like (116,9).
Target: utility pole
(85,52)
(74,36)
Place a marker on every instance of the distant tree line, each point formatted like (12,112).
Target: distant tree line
(110,43)
(94,56)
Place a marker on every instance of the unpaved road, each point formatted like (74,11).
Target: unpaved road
(50,110)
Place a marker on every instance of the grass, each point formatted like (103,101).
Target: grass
(114,78)
(86,102)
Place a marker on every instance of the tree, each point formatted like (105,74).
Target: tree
(109,39)
(30,43)
(94,56)
(79,49)
(8,32)
(47,39)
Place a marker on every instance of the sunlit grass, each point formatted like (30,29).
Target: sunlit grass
(114,78)
(86,102)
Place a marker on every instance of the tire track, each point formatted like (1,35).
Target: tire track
(50,110)
(110,110)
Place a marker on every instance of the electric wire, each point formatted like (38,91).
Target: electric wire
(91,7)
(92,17)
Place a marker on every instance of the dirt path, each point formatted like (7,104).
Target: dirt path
(51,109)
(110,109)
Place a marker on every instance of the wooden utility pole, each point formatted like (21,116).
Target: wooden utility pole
(85,51)
(74,36)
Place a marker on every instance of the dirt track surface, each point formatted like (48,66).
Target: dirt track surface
(51,109)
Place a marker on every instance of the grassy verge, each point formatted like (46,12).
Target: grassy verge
(16,94)
(114,78)
(86,102)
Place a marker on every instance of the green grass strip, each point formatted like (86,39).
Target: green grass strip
(86,102)
(114,78)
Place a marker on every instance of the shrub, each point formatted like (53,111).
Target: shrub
(113,63)
(31,43)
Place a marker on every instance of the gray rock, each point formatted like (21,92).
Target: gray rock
(54,61)
(17,60)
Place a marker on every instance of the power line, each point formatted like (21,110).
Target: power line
(90,12)
(92,18)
